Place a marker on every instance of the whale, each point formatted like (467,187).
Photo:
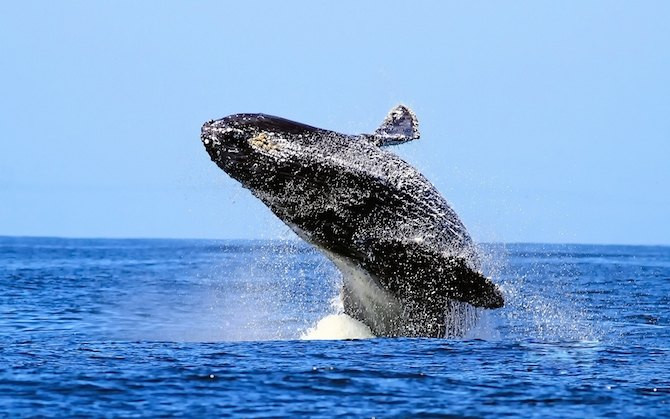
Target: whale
(409,266)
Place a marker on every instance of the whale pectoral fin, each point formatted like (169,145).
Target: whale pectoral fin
(470,286)
(399,126)
(417,272)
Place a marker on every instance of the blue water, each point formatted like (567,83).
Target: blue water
(162,327)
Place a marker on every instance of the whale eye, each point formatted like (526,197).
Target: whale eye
(263,141)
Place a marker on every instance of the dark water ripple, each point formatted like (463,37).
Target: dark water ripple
(161,327)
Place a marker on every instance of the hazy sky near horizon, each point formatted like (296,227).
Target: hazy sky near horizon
(541,121)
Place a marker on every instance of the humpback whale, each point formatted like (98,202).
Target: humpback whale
(408,262)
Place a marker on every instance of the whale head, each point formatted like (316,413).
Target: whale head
(263,151)
(260,150)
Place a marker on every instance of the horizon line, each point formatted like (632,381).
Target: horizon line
(298,240)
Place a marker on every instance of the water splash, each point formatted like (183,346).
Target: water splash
(277,290)
(337,327)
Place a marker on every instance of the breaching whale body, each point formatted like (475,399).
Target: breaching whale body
(409,265)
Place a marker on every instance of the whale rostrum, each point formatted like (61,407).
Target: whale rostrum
(406,258)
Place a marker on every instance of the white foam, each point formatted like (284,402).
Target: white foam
(337,327)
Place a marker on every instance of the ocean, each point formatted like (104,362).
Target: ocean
(102,327)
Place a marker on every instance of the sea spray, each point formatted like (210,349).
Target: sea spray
(542,297)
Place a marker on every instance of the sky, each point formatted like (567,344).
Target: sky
(541,121)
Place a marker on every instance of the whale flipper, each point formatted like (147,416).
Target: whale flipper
(420,272)
(399,126)
(404,288)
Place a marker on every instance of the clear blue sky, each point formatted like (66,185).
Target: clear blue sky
(541,121)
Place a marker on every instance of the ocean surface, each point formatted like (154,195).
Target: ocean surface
(188,327)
